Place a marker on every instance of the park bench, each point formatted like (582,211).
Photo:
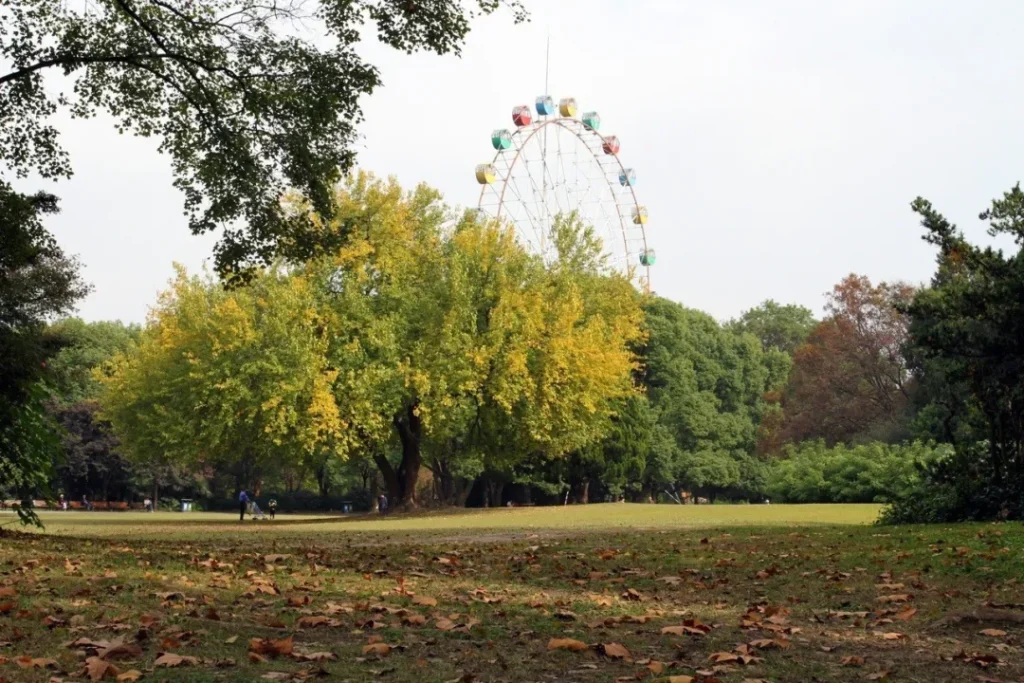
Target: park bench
(39,504)
(120,506)
(76,505)
(138,506)
(100,505)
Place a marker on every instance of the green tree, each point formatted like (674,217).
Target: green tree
(87,346)
(782,327)
(37,282)
(247,98)
(711,388)
(966,340)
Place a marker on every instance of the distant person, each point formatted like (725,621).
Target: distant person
(243,504)
(62,502)
(86,504)
(382,504)
(272,507)
(148,504)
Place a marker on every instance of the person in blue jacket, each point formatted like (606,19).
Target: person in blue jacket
(243,503)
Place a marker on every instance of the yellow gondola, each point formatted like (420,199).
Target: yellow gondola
(486,174)
(567,106)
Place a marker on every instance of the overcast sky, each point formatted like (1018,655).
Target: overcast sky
(778,144)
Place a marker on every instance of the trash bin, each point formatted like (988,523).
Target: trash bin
(346,506)
(186,505)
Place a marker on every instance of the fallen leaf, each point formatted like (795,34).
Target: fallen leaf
(906,614)
(313,622)
(129,676)
(615,651)
(119,650)
(878,676)
(170,660)
(273,648)
(853,660)
(900,597)
(682,679)
(26,662)
(993,632)
(231,639)
(313,656)
(97,669)
(376,649)
(425,601)
(566,644)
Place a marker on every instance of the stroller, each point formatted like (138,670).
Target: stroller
(254,510)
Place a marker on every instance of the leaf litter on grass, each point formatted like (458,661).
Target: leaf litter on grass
(757,604)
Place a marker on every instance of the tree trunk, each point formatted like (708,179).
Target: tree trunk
(401,482)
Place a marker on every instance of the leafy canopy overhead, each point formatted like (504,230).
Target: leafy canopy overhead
(247,97)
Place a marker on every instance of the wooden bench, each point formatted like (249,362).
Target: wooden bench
(100,505)
(76,505)
(120,506)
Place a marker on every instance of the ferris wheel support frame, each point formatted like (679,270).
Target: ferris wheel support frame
(542,124)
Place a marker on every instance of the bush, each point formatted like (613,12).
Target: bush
(960,486)
(872,473)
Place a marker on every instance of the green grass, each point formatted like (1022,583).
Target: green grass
(517,578)
(601,517)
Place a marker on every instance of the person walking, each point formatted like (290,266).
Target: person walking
(243,504)
(272,506)
(382,504)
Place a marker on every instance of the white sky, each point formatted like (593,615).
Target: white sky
(778,144)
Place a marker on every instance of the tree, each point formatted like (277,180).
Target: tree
(86,346)
(710,387)
(37,281)
(457,348)
(248,98)
(850,380)
(92,463)
(782,327)
(967,342)
(235,379)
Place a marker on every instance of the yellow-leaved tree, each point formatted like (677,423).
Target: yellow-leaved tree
(458,349)
(234,379)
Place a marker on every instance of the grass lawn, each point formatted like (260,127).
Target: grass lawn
(635,592)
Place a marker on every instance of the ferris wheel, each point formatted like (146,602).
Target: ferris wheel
(556,164)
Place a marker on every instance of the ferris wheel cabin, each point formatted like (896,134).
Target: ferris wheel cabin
(640,215)
(501,139)
(648,257)
(545,105)
(522,116)
(627,177)
(486,174)
(592,120)
(567,107)
(611,145)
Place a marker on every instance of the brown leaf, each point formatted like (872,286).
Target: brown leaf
(894,636)
(129,676)
(906,614)
(424,600)
(257,659)
(993,632)
(313,622)
(26,662)
(681,679)
(313,656)
(853,660)
(899,597)
(878,676)
(616,651)
(444,624)
(6,606)
(8,592)
(566,644)
(377,649)
(170,660)
(723,657)
(119,650)
(270,647)
(97,669)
